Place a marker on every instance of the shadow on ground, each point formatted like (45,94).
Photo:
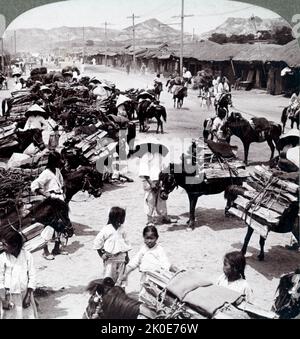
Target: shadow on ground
(212,218)
(278,261)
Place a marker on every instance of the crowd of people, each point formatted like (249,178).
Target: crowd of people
(17,272)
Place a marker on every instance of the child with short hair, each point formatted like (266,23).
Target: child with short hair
(17,279)
(150,258)
(112,245)
(234,275)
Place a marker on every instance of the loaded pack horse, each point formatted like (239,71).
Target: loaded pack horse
(83,179)
(149,110)
(22,141)
(243,129)
(179,175)
(289,221)
(50,212)
(180,92)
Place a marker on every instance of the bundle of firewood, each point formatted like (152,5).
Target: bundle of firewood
(267,201)
(213,165)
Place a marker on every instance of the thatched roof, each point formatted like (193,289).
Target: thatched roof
(258,53)
(290,54)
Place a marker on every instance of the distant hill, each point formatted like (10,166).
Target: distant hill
(242,26)
(38,40)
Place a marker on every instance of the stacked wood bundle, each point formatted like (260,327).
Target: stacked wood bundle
(15,185)
(267,201)
(7,135)
(15,193)
(210,161)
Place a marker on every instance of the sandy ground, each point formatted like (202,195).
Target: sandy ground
(65,279)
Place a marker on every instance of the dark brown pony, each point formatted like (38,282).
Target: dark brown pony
(84,179)
(179,96)
(288,223)
(50,212)
(110,302)
(181,175)
(150,110)
(24,139)
(287,303)
(241,128)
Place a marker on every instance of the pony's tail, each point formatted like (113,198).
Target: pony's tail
(284,116)
(164,114)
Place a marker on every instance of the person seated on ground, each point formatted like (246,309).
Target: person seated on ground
(234,275)
(217,127)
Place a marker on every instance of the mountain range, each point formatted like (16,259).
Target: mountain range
(151,31)
(242,26)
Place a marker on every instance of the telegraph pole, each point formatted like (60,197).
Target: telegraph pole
(105,40)
(133,17)
(83,40)
(15,39)
(2,52)
(183,16)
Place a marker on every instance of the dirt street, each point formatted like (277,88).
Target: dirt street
(202,250)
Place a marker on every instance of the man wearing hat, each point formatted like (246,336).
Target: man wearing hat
(151,164)
(36,118)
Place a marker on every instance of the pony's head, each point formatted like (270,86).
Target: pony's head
(54,213)
(31,136)
(167,182)
(93,183)
(287,303)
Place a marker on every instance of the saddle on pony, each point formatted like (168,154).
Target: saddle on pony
(260,125)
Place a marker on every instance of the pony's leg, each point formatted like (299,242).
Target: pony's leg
(193,203)
(247,240)
(158,125)
(262,243)
(246,149)
(272,147)
(162,127)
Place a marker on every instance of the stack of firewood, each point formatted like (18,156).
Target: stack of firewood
(266,201)
(215,166)
(7,135)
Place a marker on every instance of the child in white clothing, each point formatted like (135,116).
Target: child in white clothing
(17,279)
(234,275)
(150,258)
(112,245)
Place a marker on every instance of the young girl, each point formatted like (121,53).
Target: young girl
(17,279)
(150,258)
(234,275)
(112,245)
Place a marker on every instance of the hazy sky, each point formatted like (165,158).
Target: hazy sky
(77,13)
